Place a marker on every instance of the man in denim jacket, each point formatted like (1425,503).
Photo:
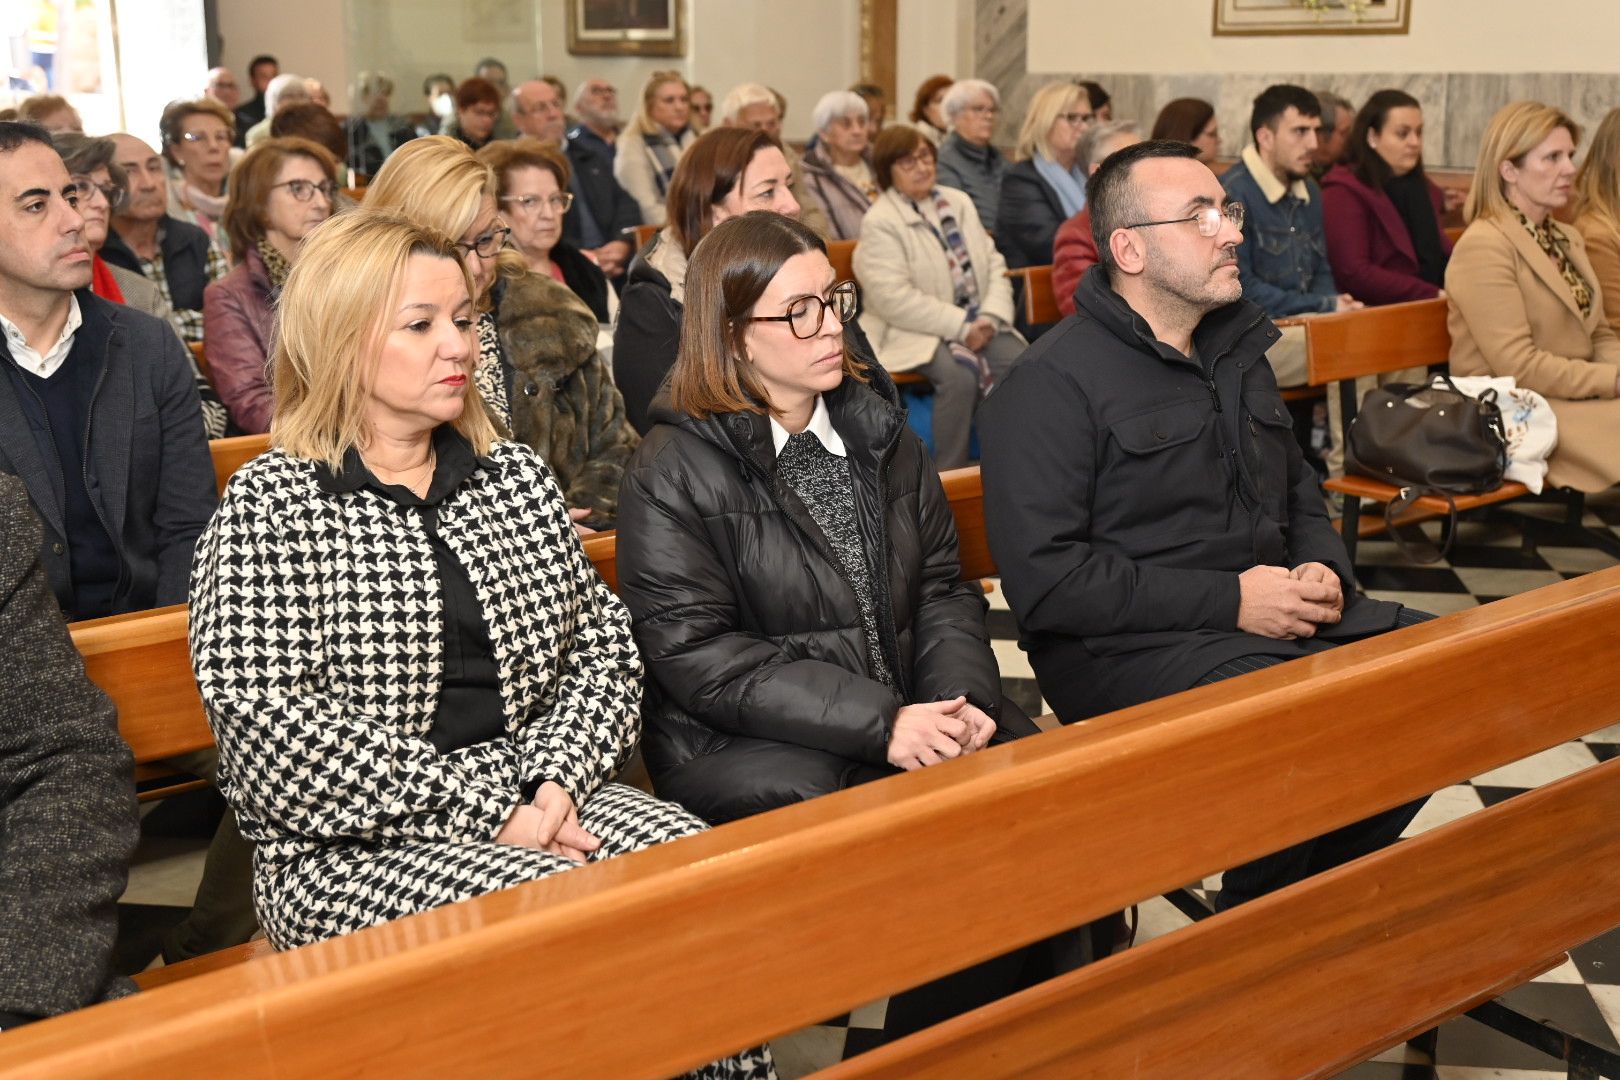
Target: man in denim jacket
(1283,262)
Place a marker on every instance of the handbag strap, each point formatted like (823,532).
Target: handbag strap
(1404,501)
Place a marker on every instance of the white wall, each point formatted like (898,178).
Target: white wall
(1173,37)
(935,38)
(308,37)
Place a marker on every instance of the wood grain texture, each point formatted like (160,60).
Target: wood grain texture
(1374,340)
(142,661)
(231,454)
(778,921)
(1040,302)
(964,489)
(841,253)
(1313,979)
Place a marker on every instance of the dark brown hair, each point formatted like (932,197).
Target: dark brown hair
(175,114)
(1370,168)
(254,178)
(711,169)
(892,144)
(925,93)
(728,273)
(307,120)
(1182,120)
(504,155)
(476,91)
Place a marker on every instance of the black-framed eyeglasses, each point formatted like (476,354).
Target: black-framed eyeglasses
(1207,219)
(304,190)
(489,245)
(113,193)
(806,315)
(559,202)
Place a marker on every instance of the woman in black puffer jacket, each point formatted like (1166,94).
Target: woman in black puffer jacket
(788,554)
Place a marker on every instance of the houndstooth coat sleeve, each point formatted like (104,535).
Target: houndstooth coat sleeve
(315,636)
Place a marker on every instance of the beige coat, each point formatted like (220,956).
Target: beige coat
(907,297)
(1603,249)
(1510,313)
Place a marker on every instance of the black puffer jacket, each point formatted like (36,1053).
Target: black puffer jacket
(760,692)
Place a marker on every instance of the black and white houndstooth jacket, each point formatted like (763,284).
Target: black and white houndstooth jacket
(315,636)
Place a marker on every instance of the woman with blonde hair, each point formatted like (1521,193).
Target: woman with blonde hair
(651,145)
(420,687)
(538,366)
(1045,186)
(1597,212)
(1523,299)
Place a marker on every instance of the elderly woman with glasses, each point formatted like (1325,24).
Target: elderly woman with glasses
(539,369)
(967,160)
(283,188)
(534,199)
(1046,185)
(103,187)
(838,168)
(787,553)
(938,301)
(197,140)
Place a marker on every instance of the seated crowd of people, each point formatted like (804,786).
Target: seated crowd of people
(464,364)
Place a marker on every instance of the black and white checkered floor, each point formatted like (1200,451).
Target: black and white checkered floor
(1487,563)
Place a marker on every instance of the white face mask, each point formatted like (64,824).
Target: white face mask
(443,106)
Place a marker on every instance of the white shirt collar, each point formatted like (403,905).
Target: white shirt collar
(820,426)
(50,361)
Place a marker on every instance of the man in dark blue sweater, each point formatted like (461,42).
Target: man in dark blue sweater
(98,411)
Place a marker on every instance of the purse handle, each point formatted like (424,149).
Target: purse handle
(1397,506)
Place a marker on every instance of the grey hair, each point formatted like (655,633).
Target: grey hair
(962,93)
(278,88)
(744,95)
(372,82)
(837,103)
(1329,101)
(1092,146)
(85,154)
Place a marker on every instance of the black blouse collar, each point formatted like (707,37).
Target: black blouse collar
(456,462)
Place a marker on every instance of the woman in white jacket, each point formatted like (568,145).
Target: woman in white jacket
(936,296)
(652,143)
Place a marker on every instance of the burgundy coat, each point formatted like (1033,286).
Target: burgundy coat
(1368,244)
(237,320)
(1073,253)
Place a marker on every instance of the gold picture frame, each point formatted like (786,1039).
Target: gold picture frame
(625,28)
(1235,18)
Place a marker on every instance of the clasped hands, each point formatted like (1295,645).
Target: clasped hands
(549,823)
(1276,602)
(934,731)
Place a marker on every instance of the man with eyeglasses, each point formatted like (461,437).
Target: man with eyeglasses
(174,255)
(1284,266)
(967,159)
(603,209)
(1155,523)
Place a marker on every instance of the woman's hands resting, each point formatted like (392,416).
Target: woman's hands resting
(934,731)
(549,823)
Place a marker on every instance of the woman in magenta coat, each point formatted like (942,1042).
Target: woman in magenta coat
(1382,216)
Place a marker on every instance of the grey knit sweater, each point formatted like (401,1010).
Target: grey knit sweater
(67,796)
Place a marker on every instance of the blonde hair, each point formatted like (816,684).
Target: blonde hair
(1597,185)
(1050,102)
(1514,131)
(643,120)
(330,327)
(437,182)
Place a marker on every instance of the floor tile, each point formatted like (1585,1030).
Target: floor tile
(1567,972)
(1505,582)
(869,1015)
(1441,603)
(1607,998)
(1495,556)
(1411,579)
(1012,660)
(1576,559)
(1542,768)
(1447,804)
(1599,959)
(165,871)
(807,1051)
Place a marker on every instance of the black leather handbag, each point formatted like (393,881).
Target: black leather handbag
(1428,439)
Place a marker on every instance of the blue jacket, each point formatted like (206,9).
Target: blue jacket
(614,208)
(148,463)
(1282,261)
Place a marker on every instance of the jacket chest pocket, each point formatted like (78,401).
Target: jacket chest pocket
(1268,430)
(1165,476)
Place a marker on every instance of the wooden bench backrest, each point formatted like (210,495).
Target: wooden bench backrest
(964,489)
(841,253)
(143,663)
(199,355)
(781,920)
(1375,340)
(231,454)
(640,234)
(1040,302)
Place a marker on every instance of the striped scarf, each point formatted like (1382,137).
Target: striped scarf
(964,282)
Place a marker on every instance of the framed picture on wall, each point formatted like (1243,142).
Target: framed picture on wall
(1243,17)
(625,28)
